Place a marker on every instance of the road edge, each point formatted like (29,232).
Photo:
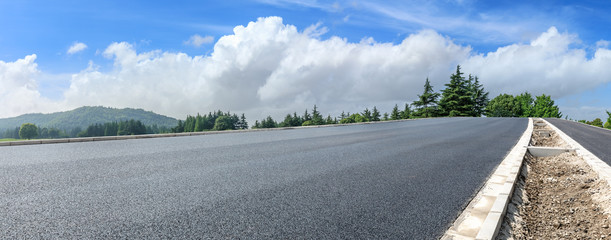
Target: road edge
(482,218)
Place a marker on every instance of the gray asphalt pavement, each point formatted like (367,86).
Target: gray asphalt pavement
(400,180)
(596,140)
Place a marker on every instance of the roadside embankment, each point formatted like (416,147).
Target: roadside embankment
(557,197)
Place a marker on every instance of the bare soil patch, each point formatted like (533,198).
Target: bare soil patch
(557,197)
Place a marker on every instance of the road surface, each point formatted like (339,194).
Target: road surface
(406,180)
(596,140)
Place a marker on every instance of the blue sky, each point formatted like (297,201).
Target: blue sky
(154,29)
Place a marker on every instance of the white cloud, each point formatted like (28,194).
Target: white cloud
(19,90)
(197,40)
(76,47)
(268,67)
(547,65)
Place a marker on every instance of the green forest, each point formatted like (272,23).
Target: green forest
(463,96)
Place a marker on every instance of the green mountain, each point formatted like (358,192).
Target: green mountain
(85,116)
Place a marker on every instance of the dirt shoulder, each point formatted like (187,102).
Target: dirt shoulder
(557,197)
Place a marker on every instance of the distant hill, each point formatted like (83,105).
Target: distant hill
(85,116)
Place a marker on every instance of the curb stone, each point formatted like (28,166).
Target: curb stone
(482,218)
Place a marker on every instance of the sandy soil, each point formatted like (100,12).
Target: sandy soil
(557,197)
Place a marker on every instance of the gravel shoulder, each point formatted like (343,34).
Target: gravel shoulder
(557,197)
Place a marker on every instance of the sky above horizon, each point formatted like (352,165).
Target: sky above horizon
(273,57)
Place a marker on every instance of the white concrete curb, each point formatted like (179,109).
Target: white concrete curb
(482,218)
(601,168)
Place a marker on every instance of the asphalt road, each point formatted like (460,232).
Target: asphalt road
(401,180)
(595,139)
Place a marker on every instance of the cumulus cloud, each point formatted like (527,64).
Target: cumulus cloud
(547,65)
(197,40)
(271,68)
(76,47)
(268,67)
(19,89)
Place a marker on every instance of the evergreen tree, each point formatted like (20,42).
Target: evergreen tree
(199,123)
(367,115)
(288,119)
(330,120)
(242,124)
(306,116)
(178,129)
(427,102)
(385,116)
(406,112)
(257,124)
(297,120)
(268,123)
(317,117)
(395,114)
(375,115)
(456,98)
(342,116)
(479,97)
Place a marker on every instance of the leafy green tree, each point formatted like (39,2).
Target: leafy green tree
(503,105)
(385,118)
(375,115)
(608,123)
(426,104)
(544,107)
(395,114)
(54,133)
(28,131)
(223,123)
(479,96)
(343,115)
(456,98)
(525,103)
(354,118)
(307,123)
(596,122)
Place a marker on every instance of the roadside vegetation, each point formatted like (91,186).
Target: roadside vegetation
(597,122)
(463,96)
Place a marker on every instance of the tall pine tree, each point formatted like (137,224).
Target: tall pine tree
(478,95)
(427,102)
(456,98)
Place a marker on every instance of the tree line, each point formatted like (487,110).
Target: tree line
(597,122)
(217,121)
(461,97)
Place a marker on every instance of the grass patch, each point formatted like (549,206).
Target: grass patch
(9,139)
